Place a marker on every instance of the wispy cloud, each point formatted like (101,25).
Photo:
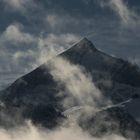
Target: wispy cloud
(127,15)
(78,84)
(30,132)
(51,45)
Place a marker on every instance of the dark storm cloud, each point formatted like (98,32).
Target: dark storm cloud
(113,26)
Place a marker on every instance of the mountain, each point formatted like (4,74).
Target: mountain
(85,54)
(35,96)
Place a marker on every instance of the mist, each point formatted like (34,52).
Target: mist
(31,132)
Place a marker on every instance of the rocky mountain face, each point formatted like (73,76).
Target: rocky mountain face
(36,96)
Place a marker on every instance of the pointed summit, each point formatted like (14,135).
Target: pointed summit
(83,45)
(84,40)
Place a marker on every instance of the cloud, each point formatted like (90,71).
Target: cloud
(53,45)
(18,5)
(135,60)
(64,40)
(59,23)
(30,132)
(60,20)
(23,51)
(16,47)
(14,35)
(120,7)
(78,84)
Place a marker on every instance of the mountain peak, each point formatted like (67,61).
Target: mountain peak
(84,41)
(83,44)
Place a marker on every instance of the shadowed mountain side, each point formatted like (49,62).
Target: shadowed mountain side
(115,120)
(85,54)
